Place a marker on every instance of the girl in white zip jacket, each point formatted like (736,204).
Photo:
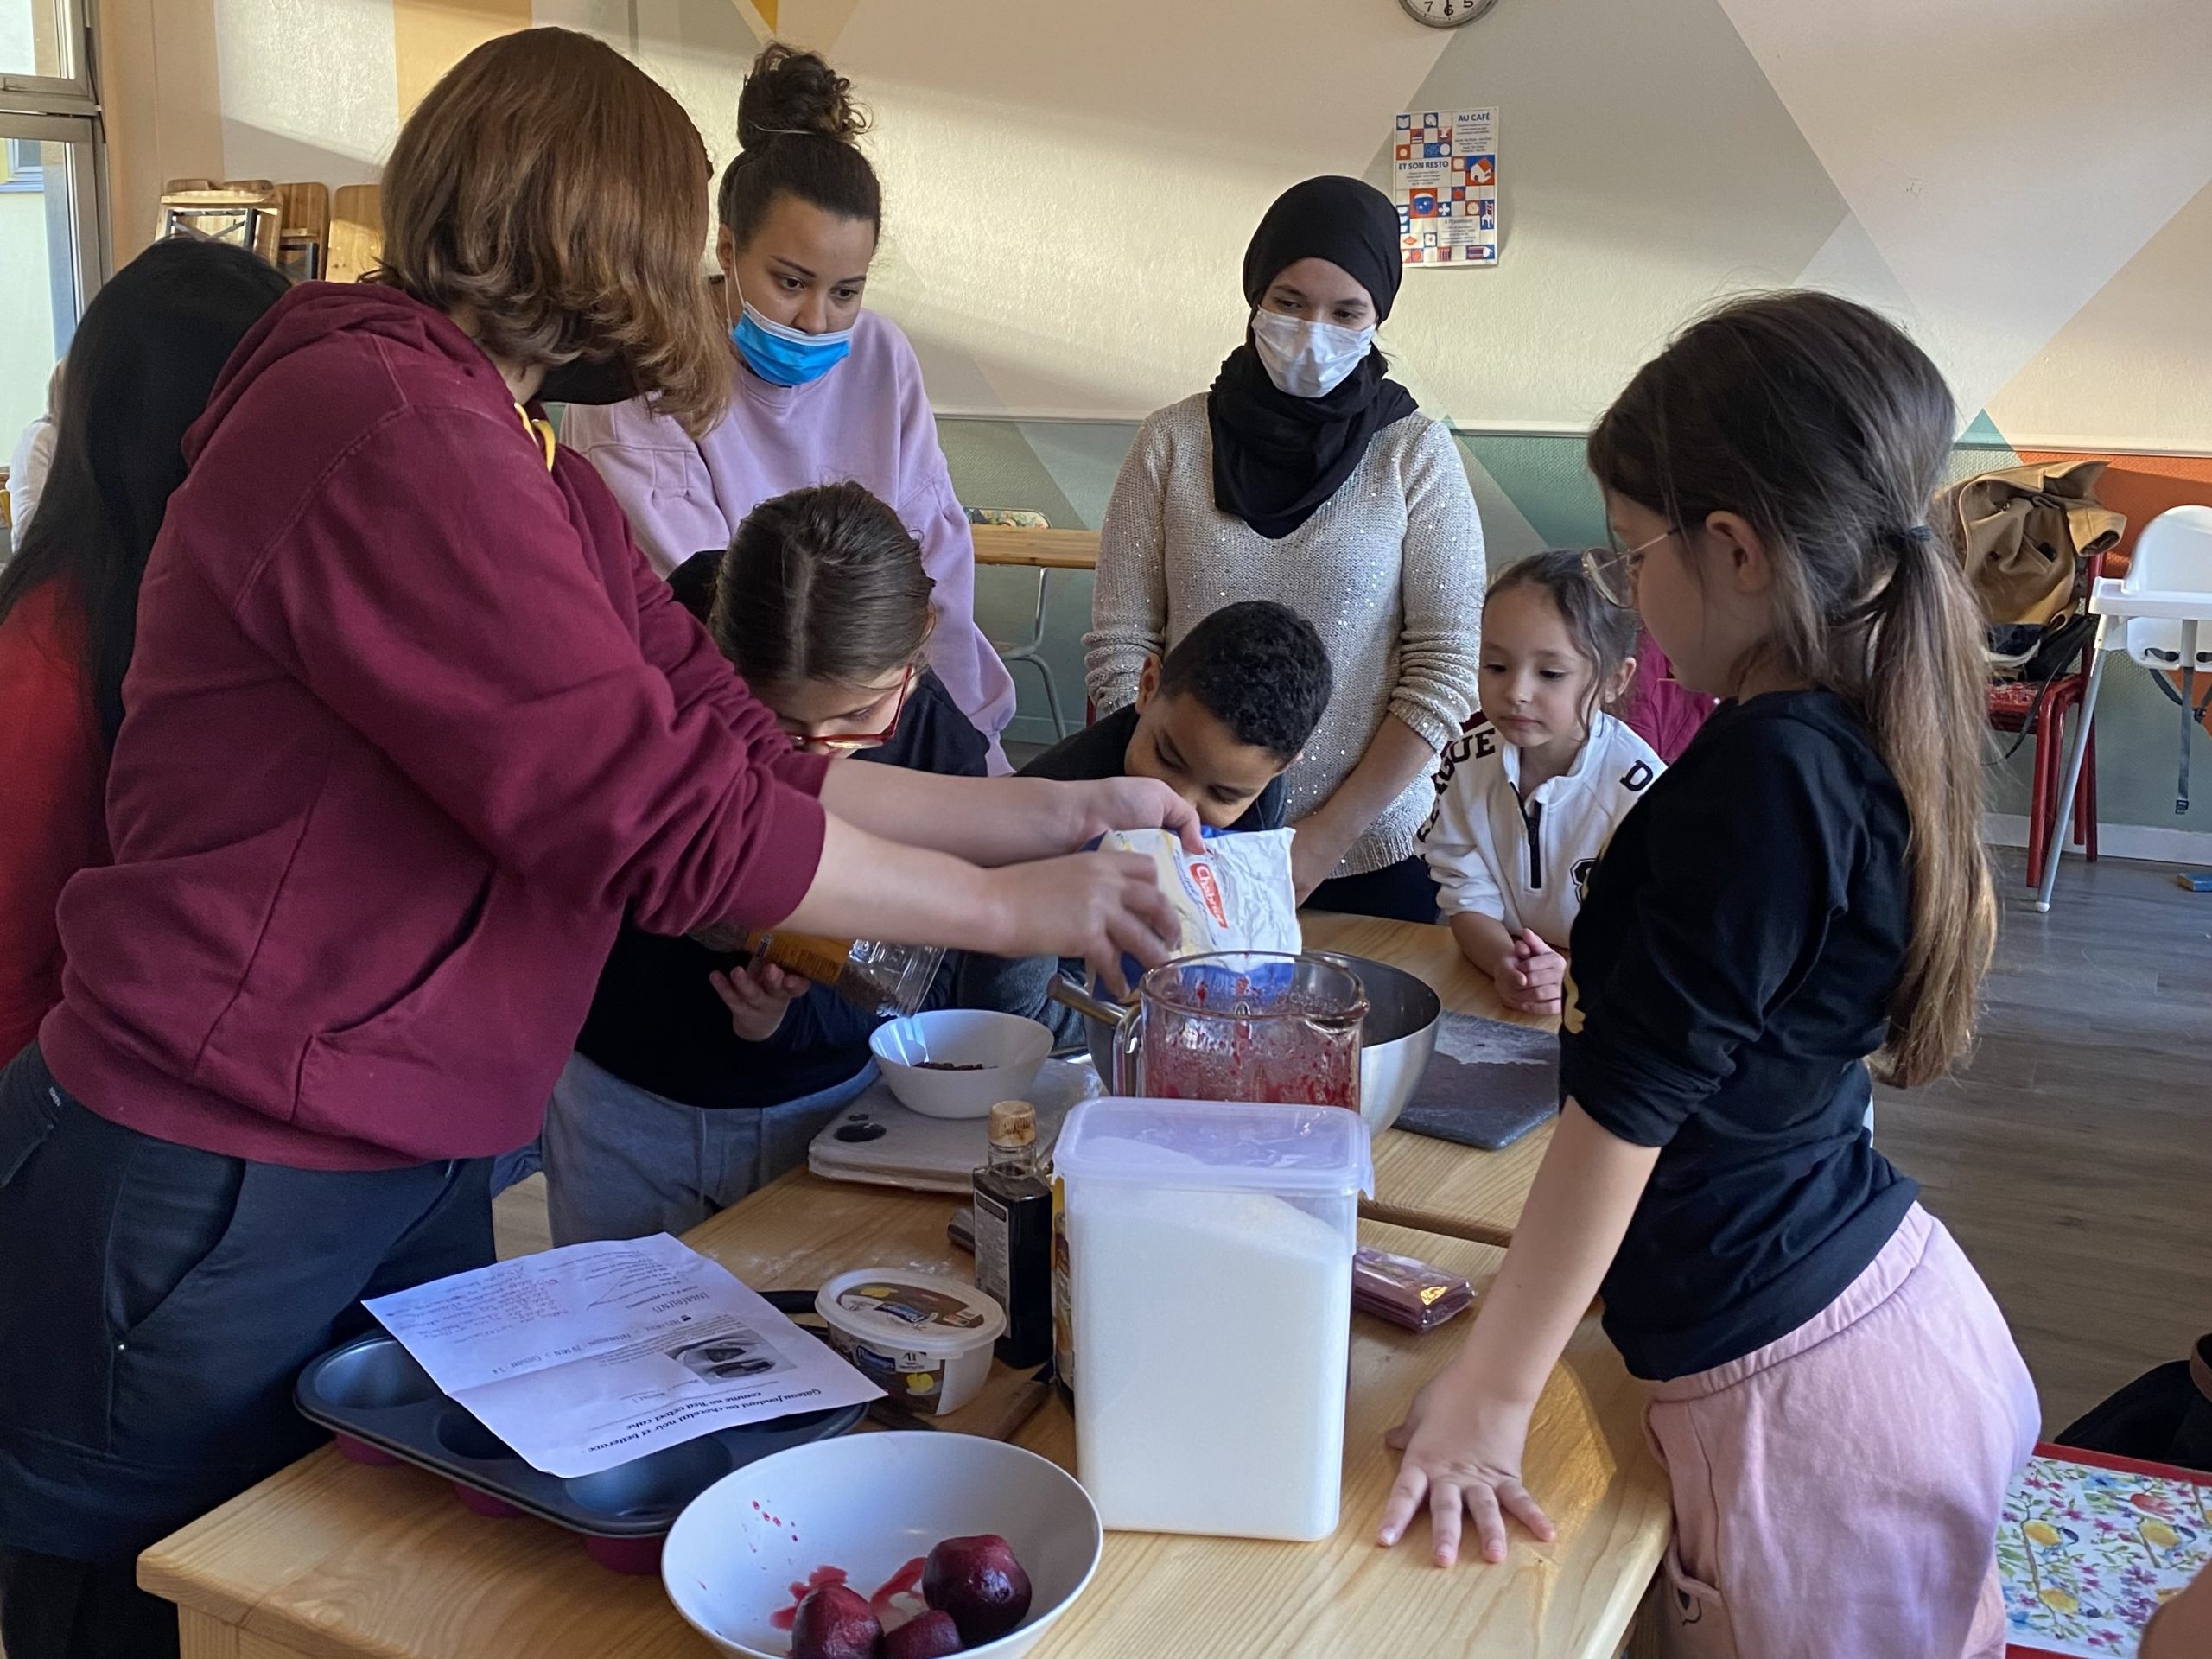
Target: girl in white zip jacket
(1530,792)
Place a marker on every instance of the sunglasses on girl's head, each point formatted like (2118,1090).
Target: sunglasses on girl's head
(1613,568)
(849,740)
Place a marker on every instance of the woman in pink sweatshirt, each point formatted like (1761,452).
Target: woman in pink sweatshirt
(822,391)
(409,728)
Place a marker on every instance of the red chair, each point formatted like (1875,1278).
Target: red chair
(2020,706)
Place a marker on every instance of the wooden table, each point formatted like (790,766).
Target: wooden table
(1037,549)
(1457,1192)
(333,1560)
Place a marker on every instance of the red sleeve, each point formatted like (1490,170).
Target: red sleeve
(52,766)
(453,617)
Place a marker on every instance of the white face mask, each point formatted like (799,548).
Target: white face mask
(1307,360)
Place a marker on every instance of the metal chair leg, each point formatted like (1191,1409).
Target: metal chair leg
(2086,808)
(2041,807)
(1051,697)
(1031,652)
(2076,753)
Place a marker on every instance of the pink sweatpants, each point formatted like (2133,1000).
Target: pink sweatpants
(1836,1493)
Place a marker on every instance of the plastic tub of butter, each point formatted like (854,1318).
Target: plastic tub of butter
(922,1337)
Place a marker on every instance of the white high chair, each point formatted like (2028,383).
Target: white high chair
(2162,604)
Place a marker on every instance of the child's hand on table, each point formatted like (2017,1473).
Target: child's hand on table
(1532,977)
(756,996)
(1462,1457)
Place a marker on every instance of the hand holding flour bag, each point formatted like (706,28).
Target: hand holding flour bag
(1236,895)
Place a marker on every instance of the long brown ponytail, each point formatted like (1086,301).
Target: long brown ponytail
(1829,430)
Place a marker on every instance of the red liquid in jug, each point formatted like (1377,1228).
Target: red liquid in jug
(1276,1057)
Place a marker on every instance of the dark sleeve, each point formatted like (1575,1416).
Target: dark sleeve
(933,735)
(1095,752)
(1746,867)
(693,582)
(1017,985)
(964,752)
(820,1020)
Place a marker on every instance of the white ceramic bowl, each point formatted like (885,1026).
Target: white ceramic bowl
(1009,1050)
(869,1503)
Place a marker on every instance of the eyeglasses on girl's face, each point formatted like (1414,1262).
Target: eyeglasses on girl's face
(1613,567)
(843,740)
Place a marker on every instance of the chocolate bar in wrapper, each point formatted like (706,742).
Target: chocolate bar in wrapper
(1406,1292)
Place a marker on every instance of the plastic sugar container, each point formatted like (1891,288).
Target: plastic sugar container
(1210,1254)
(924,1338)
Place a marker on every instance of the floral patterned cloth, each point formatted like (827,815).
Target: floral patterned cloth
(2090,1551)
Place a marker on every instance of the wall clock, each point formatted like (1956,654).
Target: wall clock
(1445,14)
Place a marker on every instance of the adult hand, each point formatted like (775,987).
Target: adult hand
(757,995)
(1133,804)
(1096,906)
(1462,1458)
(1318,847)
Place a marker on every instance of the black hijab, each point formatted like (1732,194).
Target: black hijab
(1277,458)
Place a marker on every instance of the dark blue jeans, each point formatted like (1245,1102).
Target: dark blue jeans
(156,1302)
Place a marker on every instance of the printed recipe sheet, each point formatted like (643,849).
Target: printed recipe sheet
(585,1357)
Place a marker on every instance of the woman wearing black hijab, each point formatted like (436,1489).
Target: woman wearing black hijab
(1306,475)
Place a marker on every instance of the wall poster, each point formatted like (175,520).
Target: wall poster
(1444,169)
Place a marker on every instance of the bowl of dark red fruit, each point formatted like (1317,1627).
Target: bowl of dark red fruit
(915,1546)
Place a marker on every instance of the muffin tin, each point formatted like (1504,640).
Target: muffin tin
(383,1408)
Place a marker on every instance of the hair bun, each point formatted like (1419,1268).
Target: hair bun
(790,91)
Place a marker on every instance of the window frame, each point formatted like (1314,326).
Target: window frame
(66,110)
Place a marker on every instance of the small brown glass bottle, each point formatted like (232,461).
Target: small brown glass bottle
(1013,1234)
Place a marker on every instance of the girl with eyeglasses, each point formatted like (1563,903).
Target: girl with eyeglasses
(700,1075)
(1799,907)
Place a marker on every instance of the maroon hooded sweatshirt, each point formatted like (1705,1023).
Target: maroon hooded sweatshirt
(410,726)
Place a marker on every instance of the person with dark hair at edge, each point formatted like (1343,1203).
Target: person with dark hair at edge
(820,387)
(1306,475)
(1219,722)
(1530,793)
(410,728)
(1801,906)
(699,1074)
(140,367)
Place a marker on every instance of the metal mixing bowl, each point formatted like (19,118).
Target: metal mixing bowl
(1396,1040)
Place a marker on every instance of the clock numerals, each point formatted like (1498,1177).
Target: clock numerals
(1446,14)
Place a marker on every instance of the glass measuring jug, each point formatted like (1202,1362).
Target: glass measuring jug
(1249,1025)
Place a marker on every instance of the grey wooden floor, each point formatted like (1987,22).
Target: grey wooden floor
(2073,1158)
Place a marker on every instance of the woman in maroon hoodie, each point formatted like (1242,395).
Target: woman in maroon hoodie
(411,726)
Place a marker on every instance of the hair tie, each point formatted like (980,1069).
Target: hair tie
(1902,542)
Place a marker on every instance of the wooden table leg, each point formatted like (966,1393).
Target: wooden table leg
(202,1636)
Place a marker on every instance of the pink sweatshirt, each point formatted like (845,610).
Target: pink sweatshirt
(868,419)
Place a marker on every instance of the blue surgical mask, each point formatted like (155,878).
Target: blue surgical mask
(782,355)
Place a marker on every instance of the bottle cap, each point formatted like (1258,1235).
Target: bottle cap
(1013,1123)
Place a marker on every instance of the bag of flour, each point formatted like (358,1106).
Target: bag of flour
(1236,895)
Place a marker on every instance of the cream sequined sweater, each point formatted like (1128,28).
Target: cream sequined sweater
(1389,570)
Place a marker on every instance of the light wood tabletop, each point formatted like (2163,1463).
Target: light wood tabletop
(1038,549)
(1433,1185)
(333,1560)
